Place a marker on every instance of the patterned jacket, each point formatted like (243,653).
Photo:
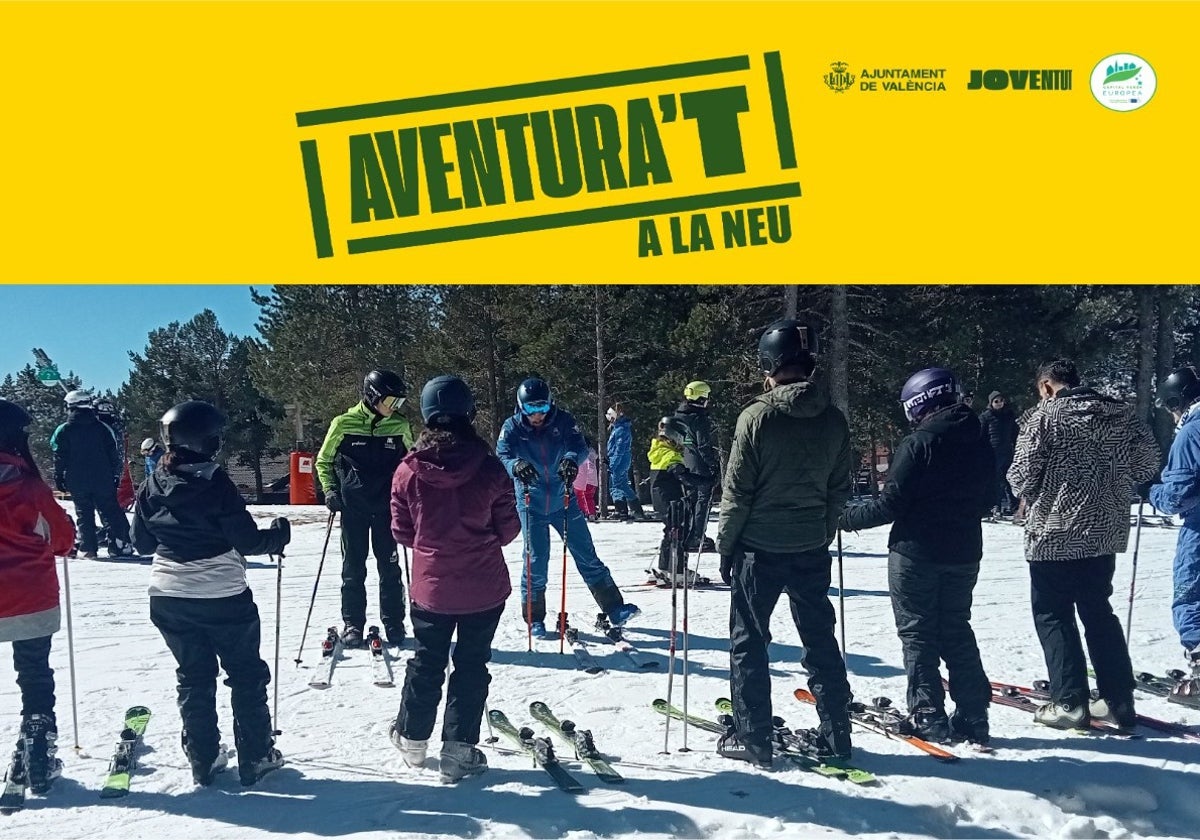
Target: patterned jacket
(1078,457)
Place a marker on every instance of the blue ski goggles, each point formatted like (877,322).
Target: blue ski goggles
(536,407)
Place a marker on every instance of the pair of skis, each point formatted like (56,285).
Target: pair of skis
(332,651)
(883,719)
(788,744)
(120,768)
(541,750)
(589,664)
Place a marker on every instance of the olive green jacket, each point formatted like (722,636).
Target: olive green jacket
(788,475)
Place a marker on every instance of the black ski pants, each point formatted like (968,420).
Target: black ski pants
(1059,589)
(759,578)
(468,689)
(200,632)
(700,498)
(362,531)
(664,490)
(103,499)
(35,677)
(932,606)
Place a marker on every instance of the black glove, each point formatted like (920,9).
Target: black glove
(567,470)
(525,472)
(1143,490)
(283,531)
(333,501)
(688,479)
(727,568)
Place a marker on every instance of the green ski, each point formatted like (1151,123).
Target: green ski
(663,708)
(539,749)
(789,745)
(579,740)
(124,759)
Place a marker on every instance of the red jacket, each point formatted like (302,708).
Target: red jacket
(33,529)
(454,506)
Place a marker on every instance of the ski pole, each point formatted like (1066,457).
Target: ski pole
(528,577)
(674,513)
(407,577)
(71,649)
(562,609)
(686,587)
(1137,540)
(842,599)
(278,626)
(316,583)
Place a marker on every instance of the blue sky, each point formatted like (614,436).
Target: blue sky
(91,329)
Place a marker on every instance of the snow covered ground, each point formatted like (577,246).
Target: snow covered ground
(344,779)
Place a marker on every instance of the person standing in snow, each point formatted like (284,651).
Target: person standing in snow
(701,458)
(1000,426)
(453,504)
(620,459)
(586,483)
(541,447)
(151,450)
(670,482)
(189,515)
(33,529)
(355,464)
(87,465)
(939,486)
(1077,460)
(1179,493)
(787,481)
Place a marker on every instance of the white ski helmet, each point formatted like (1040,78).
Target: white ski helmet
(147,446)
(79,398)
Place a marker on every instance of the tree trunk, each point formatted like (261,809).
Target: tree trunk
(1164,425)
(601,396)
(1146,346)
(790,293)
(258,482)
(493,374)
(839,349)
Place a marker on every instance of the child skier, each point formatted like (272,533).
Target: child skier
(33,529)
(191,517)
(670,482)
(585,485)
(454,505)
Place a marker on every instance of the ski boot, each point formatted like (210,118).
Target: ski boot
(41,750)
(830,741)
(1187,691)
(352,636)
(253,770)
(413,751)
(1119,714)
(395,635)
(927,723)
(970,727)
(120,548)
(459,760)
(204,770)
(756,751)
(1063,715)
(538,630)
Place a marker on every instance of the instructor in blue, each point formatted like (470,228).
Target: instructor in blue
(541,447)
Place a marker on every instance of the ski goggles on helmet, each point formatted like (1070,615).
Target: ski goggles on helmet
(535,407)
(392,402)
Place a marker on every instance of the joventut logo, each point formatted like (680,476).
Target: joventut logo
(997,79)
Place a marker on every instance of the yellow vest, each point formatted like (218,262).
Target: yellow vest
(663,454)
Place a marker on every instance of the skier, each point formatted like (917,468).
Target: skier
(700,456)
(541,447)
(586,484)
(151,450)
(1000,427)
(108,414)
(1179,493)
(787,480)
(670,482)
(87,465)
(361,451)
(191,517)
(620,459)
(939,486)
(33,529)
(452,503)
(1077,460)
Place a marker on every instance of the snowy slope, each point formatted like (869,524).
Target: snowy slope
(344,779)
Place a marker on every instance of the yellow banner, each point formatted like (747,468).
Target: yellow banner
(598,142)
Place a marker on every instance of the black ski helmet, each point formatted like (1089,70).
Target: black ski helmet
(534,392)
(786,342)
(381,383)
(195,426)
(1179,390)
(927,390)
(445,399)
(13,420)
(674,430)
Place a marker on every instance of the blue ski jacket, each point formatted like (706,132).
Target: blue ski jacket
(620,446)
(1179,493)
(558,438)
